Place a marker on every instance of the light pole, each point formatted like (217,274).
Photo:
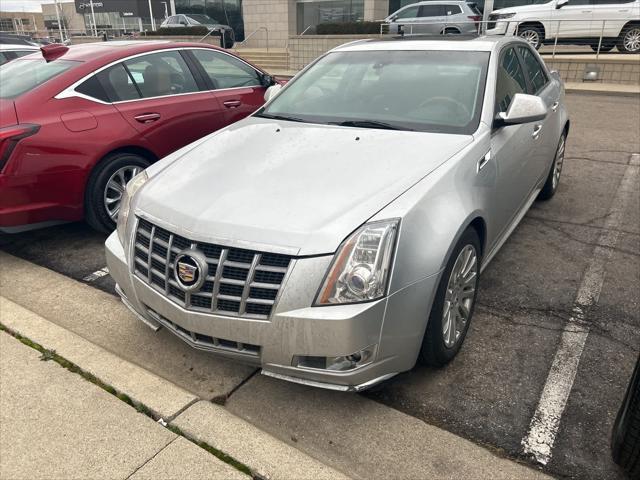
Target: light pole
(59,22)
(93,18)
(153,22)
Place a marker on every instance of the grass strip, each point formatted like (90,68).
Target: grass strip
(51,355)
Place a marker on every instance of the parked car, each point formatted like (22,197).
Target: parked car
(10,52)
(625,438)
(227,36)
(76,123)
(337,235)
(435,17)
(15,39)
(580,22)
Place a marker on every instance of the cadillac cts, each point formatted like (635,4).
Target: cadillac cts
(336,236)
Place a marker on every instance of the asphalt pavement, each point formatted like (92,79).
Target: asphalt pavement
(491,392)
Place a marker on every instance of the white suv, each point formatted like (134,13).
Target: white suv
(573,21)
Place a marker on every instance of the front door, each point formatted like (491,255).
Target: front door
(235,84)
(573,20)
(511,145)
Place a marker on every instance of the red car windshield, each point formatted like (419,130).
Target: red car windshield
(22,75)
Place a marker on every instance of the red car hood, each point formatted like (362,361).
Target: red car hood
(8,115)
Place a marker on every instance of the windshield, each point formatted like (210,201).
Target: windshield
(204,19)
(434,91)
(22,75)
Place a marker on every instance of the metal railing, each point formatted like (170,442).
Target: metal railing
(563,36)
(266,31)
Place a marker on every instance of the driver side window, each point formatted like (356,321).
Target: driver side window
(226,71)
(510,79)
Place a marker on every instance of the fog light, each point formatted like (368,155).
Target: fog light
(337,364)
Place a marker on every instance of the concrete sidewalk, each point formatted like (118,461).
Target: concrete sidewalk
(55,424)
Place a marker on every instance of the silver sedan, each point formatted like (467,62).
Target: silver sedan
(337,235)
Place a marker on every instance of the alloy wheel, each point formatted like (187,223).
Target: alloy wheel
(114,189)
(557,164)
(632,40)
(532,37)
(459,296)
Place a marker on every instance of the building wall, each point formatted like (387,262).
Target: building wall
(18,22)
(278,16)
(73,21)
(303,49)
(376,10)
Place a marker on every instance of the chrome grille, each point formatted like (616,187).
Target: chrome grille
(240,282)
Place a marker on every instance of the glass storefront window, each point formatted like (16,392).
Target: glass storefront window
(312,13)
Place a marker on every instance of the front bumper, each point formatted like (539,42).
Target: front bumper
(294,328)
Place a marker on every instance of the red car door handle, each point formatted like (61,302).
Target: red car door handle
(232,103)
(147,117)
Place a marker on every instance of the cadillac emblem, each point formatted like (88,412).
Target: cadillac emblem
(190,269)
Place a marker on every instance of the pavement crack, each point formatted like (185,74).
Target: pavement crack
(153,456)
(222,399)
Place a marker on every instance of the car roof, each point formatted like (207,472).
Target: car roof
(9,46)
(471,43)
(436,2)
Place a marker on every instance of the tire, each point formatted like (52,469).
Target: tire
(625,437)
(605,47)
(437,350)
(98,196)
(629,40)
(532,34)
(553,179)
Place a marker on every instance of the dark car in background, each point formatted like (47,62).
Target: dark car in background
(625,438)
(194,20)
(77,123)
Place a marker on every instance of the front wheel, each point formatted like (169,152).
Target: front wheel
(106,187)
(454,302)
(553,179)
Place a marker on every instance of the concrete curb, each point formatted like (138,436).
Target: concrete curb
(602,88)
(163,398)
(267,456)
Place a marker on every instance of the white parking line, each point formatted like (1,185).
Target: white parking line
(96,275)
(546,419)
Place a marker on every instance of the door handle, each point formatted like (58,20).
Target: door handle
(586,11)
(624,11)
(536,131)
(483,161)
(232,103)
(147,117)
(555,106)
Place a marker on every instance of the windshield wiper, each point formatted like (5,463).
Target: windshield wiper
(367,124)
(279,117)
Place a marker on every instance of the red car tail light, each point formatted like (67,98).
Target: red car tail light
(9,138)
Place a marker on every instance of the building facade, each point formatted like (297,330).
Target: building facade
(21,22)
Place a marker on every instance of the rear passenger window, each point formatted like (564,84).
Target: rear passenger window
(510,80)
(226,71)
(431,11)
(160,74)
(537,76)
(93,88)
(452,10)
(3,58)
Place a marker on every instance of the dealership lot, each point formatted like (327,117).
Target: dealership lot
(490,392)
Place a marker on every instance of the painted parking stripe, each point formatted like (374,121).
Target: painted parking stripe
(546,419)
(96,275)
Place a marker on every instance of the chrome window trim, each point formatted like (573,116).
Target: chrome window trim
(70,91)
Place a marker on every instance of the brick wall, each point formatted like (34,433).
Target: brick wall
(620,69)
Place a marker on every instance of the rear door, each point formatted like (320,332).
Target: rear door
(235,84)
(573,20)
(609,16)
(159,96)
(432,17)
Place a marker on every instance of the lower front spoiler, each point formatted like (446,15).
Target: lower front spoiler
(329,386)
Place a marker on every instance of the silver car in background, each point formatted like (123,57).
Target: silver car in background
(434,17)
(337,235)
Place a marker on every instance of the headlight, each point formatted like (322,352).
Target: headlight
(502,16)
(360,270)
(130,190)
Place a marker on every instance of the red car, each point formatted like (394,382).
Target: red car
(77,123)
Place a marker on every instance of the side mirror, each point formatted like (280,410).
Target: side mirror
(272,91)
(555,74)
(561,3)
(523,109)
(266,80)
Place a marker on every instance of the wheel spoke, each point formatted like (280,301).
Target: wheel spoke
(113,185)
(470,279)
(464,311)
(467,293)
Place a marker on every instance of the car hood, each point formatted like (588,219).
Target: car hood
(288,187)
